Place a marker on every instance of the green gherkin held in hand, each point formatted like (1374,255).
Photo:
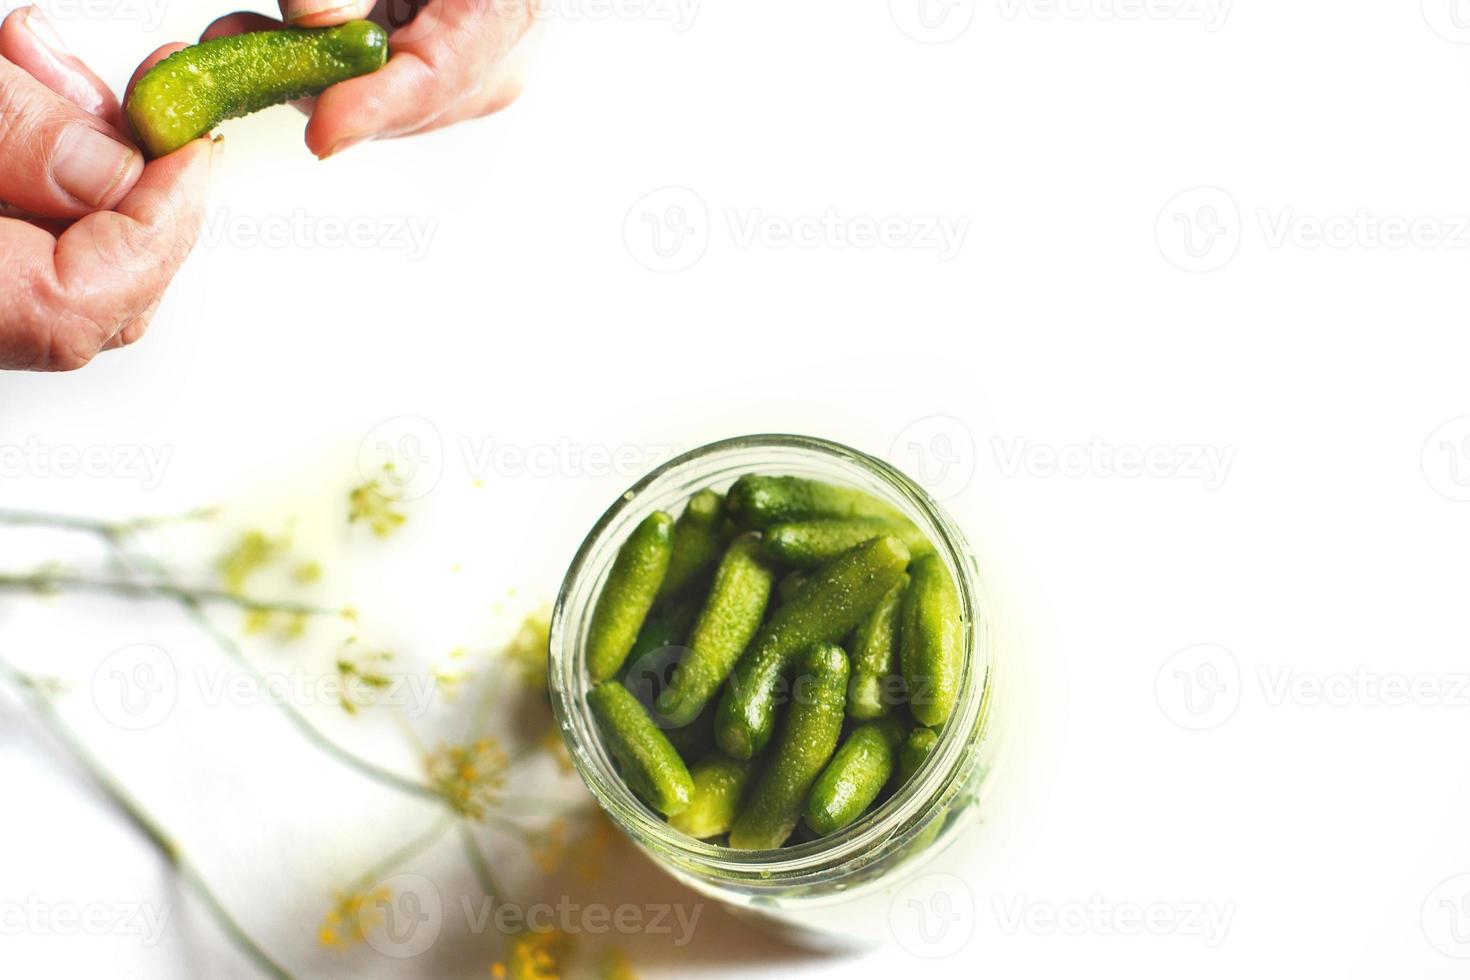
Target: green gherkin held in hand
(628,594)
(192,91)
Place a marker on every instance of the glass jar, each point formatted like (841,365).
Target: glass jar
(833,892)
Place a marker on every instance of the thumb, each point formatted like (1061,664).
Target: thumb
(56,159)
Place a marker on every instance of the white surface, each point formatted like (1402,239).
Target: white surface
(1321,826)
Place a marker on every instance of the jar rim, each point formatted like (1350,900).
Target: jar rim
(927,792)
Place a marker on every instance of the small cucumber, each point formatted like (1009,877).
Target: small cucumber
(665,629)
(720,783)
(649,763)
(760,501)
(876,683)
(813,725)
(731,615)
(697,542)
(623,604)
(192,91)
(807,544)
(911,755)
(694,740)
(932,641)
(790,584)
(833,601)
(855,776)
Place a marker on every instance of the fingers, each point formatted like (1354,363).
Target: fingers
(324,13)
(438,69)
(29,41)
(240,22)
(56,159)
(110,268)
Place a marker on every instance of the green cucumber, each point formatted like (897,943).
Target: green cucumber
(694,740)
(628,594)
(731,615)
(807,544)
(834,600)
(650,765)
(932,642)
(697,542)
(876,684)
(790,584)
(720,783)
(813,725)
(912,753)
(192,91)
(855,776)
(760,501)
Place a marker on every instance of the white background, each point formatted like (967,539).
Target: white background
(1187,229)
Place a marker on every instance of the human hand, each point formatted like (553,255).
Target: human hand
(90,236)
(449,61)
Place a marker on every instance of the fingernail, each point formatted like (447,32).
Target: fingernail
(89,165)
(41,28)
(302,9)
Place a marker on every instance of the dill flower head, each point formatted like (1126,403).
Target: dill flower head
(534,956)
(375,507)
(468,776)
(527,650)
(352,915)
